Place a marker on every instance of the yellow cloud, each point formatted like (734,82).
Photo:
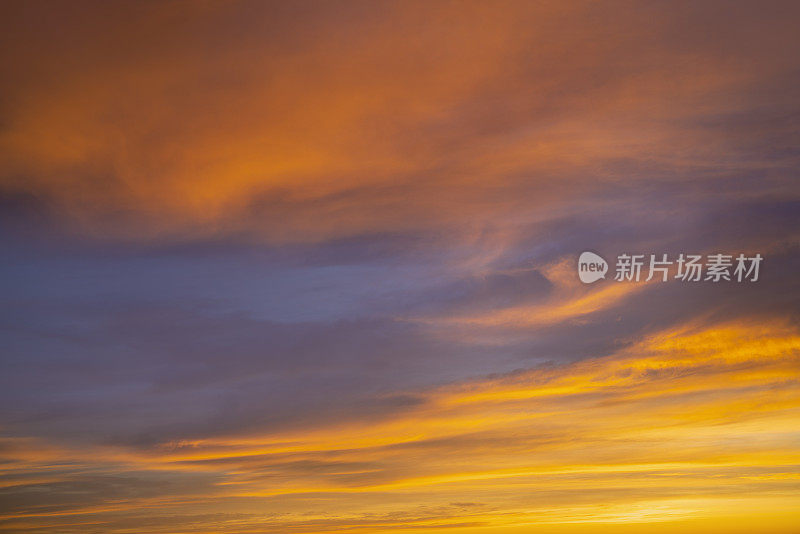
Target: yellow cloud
(697,424)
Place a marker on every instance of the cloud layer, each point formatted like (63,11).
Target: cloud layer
(310,267)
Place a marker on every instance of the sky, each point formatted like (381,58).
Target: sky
(311,267)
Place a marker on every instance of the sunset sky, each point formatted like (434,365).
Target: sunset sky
(311,267)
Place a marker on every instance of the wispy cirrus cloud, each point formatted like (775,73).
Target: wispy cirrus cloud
(532,448)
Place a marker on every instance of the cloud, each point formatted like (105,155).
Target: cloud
(305,267)
(718,401)
(301,123)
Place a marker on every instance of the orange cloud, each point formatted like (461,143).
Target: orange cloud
(298,123)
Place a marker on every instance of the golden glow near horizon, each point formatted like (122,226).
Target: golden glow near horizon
(309,267)
(691,426)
